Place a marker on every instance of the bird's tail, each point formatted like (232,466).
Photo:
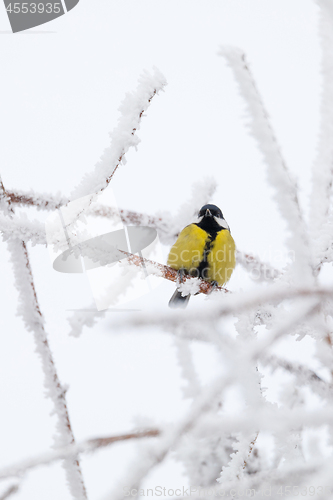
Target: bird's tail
(178,300)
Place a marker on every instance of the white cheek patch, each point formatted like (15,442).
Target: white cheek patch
(197,220)
(222,222)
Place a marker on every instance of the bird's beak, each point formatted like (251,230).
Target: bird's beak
(208,213)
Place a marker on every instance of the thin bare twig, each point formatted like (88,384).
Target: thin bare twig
(71,451)
(10,491)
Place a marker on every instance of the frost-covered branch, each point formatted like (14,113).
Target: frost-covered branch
(123,136)
(154,455)
(258,270)
(72,451)
(322,169)
(186,364)
(40,201)
(33,319)
(53,202)
(268,419)
(233,303)
(285,187)
(23,229)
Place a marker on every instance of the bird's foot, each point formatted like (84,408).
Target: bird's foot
(180,276)
(214,285)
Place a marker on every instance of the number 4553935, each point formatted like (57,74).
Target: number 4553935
(32,8)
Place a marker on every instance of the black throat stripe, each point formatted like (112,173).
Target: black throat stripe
(212,229)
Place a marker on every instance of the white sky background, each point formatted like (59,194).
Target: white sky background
(60,92)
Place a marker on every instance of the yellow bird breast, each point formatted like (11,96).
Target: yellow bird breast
(196,253)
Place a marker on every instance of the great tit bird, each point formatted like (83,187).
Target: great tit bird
(204,249)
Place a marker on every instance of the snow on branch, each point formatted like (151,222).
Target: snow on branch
(258,270)
(322,169)
(22,228)
(186,364)
(268,419)
(303,375)
(285,187)
(40,201)
(53,202)
(72,451)
(203,419)
(33,319)
(153,455)
(233,303)
(123,136)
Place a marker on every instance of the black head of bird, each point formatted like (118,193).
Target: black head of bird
(211,216)
(210,211)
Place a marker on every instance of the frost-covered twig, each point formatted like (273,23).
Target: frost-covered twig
(268,419)
(67,452)
(33,319)
(123,136)
(253,399)
(258,270)
(88,317)
(243,362)
(186,363)
(231,304)
(154,455)
(53,202)
(285,187)
(236,467)
(303,375)
(40,201)
(285,325)
(322,169)
(23,229)
(167,226)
